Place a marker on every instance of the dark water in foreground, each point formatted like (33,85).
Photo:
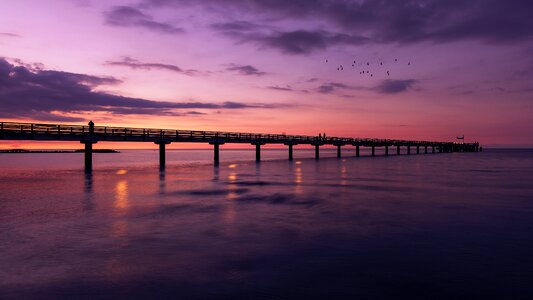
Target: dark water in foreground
(442,226)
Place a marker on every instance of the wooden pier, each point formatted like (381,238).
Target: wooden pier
(89,135)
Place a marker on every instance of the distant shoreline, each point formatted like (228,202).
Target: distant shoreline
(58,151)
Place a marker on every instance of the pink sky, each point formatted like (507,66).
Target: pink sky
(260,67)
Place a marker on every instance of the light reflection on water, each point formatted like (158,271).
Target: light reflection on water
(455,225)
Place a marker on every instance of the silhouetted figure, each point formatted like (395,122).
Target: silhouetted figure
(395,59)
(326,60)
(368,64)
(381,63)
(409,64)
(371,75)
(388,74)
(91,126)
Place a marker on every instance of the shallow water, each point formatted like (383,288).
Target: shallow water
(433,226)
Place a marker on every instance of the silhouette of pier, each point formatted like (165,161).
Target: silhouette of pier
(89,135)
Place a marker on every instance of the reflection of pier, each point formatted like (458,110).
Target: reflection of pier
(89,135)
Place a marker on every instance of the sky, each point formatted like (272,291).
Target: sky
(418,70)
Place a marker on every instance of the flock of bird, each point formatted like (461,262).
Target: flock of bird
(366,70)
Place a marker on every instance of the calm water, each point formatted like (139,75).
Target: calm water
(442,226)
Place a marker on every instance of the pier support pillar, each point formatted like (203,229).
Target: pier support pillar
(258,151)
(317,151)
(339,151)
(216,155)
(162,153)
(417,149)
(397,149)
(426,149)
(216,151)
(357,151)
(432,149)
(408,149)
(373,150)
(290,150)
(88,153)
(386,150)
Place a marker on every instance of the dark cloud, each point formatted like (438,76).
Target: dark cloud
(394,86)
(294,42)
(369,21)
(49,95)
(245,70)
(136,64)
(128,16)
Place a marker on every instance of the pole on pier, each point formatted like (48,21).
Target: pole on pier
(373,150)
(386,150)
(398,149)
(338,151)
(357,151)
(408,149)
(417,149)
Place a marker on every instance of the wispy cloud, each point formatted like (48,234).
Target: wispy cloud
(9,34)
(328,88)
(287,88)
(136,64)
(394,86)
(245,70)
(128,16)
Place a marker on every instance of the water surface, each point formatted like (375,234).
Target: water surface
(439,226)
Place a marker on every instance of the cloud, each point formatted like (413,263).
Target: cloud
(245,70)
(128,16)
(9,34)
(294,42)
(53,95)
(394,86)
(368,21)
(235,26)
(328,88)
(287,88)
(136,64)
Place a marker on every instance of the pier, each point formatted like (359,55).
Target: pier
(90,135)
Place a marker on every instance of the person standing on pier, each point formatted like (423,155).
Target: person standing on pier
(91,127)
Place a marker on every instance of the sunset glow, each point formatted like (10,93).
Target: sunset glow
(250,66)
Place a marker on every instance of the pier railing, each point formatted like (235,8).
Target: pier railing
(36,131)
(89,135)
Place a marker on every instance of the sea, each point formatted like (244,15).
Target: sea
(427,226)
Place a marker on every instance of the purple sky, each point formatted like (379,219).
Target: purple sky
(260,66)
